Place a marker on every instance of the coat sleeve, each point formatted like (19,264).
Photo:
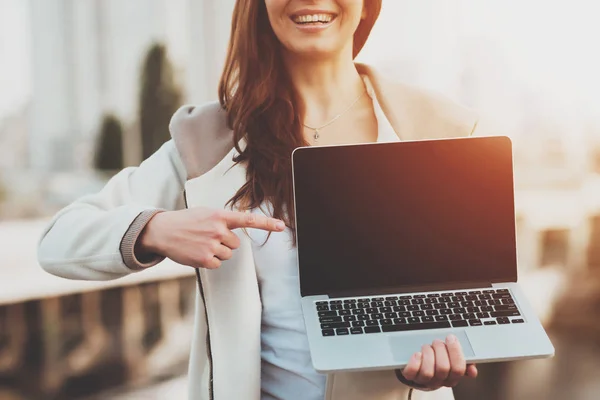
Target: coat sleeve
(94,237)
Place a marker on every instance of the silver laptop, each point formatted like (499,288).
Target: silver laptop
(403,243)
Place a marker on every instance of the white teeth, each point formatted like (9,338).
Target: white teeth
(304,19)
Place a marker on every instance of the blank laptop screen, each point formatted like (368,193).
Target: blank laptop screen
(380,216)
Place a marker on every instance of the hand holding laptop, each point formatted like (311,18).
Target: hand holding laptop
(439,364)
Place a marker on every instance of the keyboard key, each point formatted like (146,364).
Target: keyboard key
(378,299)
(350,301)
(473,309)
(372,329)
(322,303)
(489,291)
(406,297)
(433,295)
(372,323)
(342,332)
(445,299)
(364,317)
(413,320)
(447,294)
(335,325)
(330,319)
(356,331)
(501,296)
(459,310)
(469,316)
(439,306)
(385,309)
(475,322)
(350,318)
(419,296)
(372,310)
(335,302)
(417,301)
(358,311)
(386,321)
(377,316)
(432,312)
(480,303)
(461,293)
(349,306)
(495,302)
(508,301)
(503,320)
(455,317)
(489,323)
(344,312)
(487,308)
(518,321)
(505,314)
(483,315)
(363,305)
(405,314)
(453,305)
(502,291)
(505,307)
(475,292)
(413,308)
(389,303)
(460,323)
(322,308)
(390,315)
(441,318)
(363,300)
(426,306)
(356,324)
(431,301)
(418,313)
(467,304)
(336,307)
(399,308)
(328,313)
(446,311)
(398,321)
(403,302)
(328,332)
(458,298)
(412,327)
(426,319)
(484,297)
(390,298)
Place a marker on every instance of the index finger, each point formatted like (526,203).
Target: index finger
(236,219)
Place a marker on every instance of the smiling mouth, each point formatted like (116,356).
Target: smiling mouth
(313,19)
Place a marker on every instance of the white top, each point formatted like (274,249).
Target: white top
(287,371)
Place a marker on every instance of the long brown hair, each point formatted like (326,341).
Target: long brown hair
(262,106)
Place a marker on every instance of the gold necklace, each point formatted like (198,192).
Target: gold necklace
(316,134)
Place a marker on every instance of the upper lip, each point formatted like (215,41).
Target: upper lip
(312,12)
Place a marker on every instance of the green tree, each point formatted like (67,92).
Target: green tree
(109,150)
(159,99)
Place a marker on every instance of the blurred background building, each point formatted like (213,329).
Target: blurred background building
(79,80)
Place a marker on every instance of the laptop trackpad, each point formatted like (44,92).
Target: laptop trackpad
(404,346)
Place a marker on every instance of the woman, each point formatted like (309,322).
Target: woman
(289,80)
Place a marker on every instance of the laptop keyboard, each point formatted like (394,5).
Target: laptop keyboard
(418,311)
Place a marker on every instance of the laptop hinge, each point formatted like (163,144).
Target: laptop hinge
(410,289)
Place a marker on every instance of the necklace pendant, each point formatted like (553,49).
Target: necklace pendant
(316,135)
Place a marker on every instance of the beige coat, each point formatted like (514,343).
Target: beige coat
(93,239)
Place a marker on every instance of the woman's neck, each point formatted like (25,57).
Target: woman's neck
(326,86)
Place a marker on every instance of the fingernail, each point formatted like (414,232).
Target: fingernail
(451,339)
(280,225)
(418,356)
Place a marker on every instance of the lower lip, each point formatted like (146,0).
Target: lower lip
(313,27)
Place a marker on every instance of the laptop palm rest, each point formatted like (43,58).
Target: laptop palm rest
(403,347)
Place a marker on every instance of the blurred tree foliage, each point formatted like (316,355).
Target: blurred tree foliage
(109,150)
(160,97)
